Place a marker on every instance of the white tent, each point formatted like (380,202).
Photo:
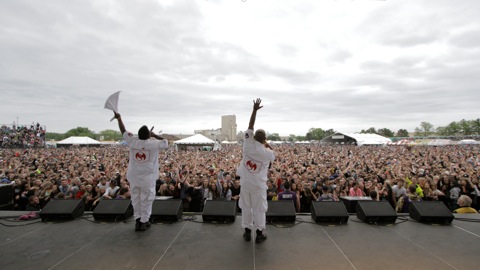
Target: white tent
(76,140)
(468,141)
(357,138)
(195,140)
(438,142)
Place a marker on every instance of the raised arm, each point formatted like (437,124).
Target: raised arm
(121,126)
(256,107)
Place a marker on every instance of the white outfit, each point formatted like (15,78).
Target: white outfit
(142,173)
(253,180)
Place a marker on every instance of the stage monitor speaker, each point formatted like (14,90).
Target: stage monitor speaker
(166,210)
(113,210)
(375,212)
(433,212)
(7,207)
(219,211)
(62,209)
(329,212)
(282,211)
(6,194)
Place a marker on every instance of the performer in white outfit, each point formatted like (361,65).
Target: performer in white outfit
(142,171)
(257,155)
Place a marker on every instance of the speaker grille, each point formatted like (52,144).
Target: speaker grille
(62,209)
(166,210)
(329,212)
(375,212)
(434,212)
(113,210)
(281,212)
(219,211)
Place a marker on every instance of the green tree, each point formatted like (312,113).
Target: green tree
(465,127)
(301,138)
(475,126)
(402,133)
(370,130)
(54,136)
(110,135)
(425,129)
(329,132)
(442,131)
(385,132)
(274,137)
(80,131)
(292,138)
(315,134)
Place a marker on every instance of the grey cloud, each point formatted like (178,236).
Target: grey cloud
(467,40)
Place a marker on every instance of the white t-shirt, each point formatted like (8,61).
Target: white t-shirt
(254,167)
(399,191)
(143,164)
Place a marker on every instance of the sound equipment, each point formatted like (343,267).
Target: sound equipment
(433,212)
(219,211)
(329,212)
(113,210)
(374,212)
(282,211)
(7,207)
(166,210)
(62,209)
(6,194)
(351,202)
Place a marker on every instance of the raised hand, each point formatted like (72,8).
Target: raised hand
(256,104)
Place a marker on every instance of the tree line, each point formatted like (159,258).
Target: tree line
(105,135)
(425,129)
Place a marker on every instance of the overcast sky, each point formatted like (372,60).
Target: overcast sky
(182,64)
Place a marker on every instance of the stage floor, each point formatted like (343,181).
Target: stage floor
(192,244)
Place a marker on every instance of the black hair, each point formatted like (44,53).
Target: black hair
(143,133)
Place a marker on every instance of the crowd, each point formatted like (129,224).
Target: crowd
(307,173)
(22,136)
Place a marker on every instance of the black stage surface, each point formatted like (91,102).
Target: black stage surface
(192,244)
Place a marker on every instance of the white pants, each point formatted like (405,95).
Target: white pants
(142,200)
(253,205)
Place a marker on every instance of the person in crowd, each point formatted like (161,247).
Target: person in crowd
(194,196)
(81,191)
(89,196)
(123,194)
(66,188)
(213,191)
(288,194)
(326,195)
(256,158)
(356,190)
(403,203)
(33,204)
(48,191)
(225,192)
(100,192)
(271,190)
(398,189)
(143,170)
(464,203)
(235,188)
(172,190)
(111,191)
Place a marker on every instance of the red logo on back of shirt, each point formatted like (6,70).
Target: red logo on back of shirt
(251,165)
(140,156)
